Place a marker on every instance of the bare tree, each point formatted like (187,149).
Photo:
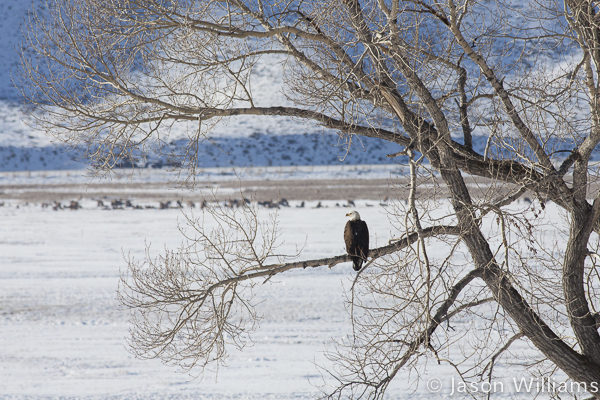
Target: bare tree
(429,76)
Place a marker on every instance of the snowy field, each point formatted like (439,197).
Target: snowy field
(62,334)
(144,175)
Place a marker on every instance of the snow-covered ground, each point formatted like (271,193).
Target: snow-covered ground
(62,334)
(140,175)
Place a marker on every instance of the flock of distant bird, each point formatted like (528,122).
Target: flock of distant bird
(119,204)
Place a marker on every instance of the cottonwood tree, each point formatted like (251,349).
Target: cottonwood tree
(432,76)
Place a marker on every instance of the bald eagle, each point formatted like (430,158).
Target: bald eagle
(356,236)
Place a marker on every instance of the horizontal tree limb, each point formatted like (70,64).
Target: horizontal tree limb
(273,269)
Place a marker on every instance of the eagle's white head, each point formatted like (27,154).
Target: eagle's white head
(354,216)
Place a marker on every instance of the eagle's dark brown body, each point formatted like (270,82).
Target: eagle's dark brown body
(356,236)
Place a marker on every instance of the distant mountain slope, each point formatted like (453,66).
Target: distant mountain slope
(12,14)
(251,141)
(260,149)
(257,150)
(239,141)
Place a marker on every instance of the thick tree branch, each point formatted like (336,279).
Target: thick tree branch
(273,269)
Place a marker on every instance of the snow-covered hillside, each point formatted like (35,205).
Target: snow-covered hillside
(250,141)
(12,12)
